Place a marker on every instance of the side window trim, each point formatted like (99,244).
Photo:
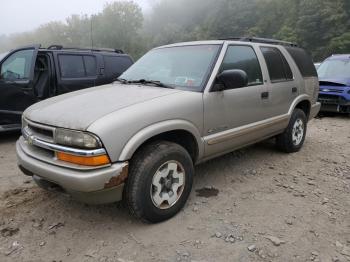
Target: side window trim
(257,58)
(284,62)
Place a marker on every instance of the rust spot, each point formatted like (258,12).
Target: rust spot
(117,180)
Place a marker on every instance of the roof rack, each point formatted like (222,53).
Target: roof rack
(261,40)
(60,47)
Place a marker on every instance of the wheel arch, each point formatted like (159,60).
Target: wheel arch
(302,102)
(181,132)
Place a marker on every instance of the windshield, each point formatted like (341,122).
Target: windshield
(183,67)
(334,69)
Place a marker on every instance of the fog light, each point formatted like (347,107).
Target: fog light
(83,160)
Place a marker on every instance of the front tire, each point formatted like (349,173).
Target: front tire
(159,181)
(292,139)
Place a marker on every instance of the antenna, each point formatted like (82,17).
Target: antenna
(92,40)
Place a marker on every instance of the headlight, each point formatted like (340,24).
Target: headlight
(76,139)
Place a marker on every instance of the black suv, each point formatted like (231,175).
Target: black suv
(31,74)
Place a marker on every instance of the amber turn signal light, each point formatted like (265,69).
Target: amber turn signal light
(83,160)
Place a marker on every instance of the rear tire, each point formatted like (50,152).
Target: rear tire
(159,181)
(292,139)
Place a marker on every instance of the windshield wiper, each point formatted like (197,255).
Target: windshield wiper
(121,80)
(153,82)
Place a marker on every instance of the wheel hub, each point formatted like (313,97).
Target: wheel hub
(167,184)
(298,132)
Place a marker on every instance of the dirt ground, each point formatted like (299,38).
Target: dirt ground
(270,206)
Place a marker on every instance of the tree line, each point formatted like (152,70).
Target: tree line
(320,26)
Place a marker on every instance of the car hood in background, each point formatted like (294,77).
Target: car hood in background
(334,81)
(78,110)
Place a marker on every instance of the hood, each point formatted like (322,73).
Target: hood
(341,82)
(78,110)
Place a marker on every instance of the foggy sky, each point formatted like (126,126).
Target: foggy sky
(24,15)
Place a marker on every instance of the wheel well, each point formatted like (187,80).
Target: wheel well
(305,106)
(181,137)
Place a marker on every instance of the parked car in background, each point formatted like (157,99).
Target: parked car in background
(177,106)
(334,76)
(31,74)
(317,65)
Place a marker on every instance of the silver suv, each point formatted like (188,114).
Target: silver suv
(139,138)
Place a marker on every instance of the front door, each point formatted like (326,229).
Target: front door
(16,90)
(230,115)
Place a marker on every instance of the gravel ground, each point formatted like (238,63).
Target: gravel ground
(256,204)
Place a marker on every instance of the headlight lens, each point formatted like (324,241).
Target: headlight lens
(76,139)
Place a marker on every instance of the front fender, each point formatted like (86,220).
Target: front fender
(156,129)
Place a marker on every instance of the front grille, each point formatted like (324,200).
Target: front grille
(41,132)
(328,99)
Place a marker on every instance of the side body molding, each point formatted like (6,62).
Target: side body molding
(156,129)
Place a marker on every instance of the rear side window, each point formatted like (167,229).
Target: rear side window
(90,65)
(77,66)
(243,58)
(116,65)
(277,65)
(303,60)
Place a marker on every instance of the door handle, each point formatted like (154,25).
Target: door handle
(294,90)
(264,95)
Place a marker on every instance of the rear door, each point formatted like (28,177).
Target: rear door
(75,71)
(281,84)
(16,85)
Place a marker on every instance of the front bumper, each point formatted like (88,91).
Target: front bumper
(334,102)
(95,186)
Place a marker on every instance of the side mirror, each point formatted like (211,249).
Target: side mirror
(232,79)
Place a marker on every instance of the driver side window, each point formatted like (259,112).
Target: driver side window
(243,58)
(17,66)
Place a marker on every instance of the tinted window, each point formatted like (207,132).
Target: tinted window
(72,66)
(116,65)
(287,70)
(303,61)
(243,58)
(90,65)
(17,65)
(279,69)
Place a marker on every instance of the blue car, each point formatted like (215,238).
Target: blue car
(334,77)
